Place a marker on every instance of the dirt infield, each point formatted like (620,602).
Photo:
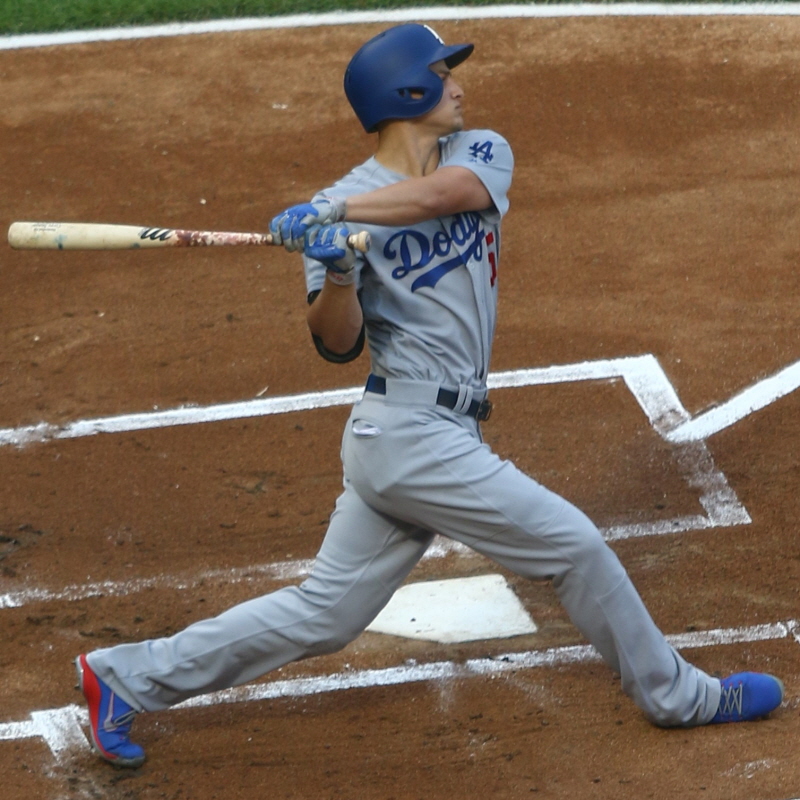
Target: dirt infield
(654,212)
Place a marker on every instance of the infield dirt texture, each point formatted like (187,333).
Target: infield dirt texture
(655,213)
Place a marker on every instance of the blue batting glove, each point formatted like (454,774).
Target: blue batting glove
(289,228)
(328,245)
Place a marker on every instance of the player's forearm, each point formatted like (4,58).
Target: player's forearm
(336,318)
(449,190)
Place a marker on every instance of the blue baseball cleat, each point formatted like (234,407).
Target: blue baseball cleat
(110,719)
(747,696)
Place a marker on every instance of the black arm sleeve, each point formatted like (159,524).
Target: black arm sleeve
(337,358)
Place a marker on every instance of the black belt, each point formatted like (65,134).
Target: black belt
(479,409)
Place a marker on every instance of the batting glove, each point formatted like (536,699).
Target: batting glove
(328,245)
(289,228)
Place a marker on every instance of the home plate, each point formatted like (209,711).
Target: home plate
(456,610)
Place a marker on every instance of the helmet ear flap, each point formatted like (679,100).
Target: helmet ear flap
(390,76)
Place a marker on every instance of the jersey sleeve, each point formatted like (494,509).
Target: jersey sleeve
(489,156)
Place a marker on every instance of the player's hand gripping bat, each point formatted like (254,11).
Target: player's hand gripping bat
(101,236)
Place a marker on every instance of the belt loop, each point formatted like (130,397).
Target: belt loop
(464,399)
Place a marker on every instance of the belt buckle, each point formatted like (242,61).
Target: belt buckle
(484,410)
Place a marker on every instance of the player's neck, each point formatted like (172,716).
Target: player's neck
(402,148)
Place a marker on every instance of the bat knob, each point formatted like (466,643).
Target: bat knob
(360,241)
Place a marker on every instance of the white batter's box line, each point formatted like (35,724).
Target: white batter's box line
(300,568)
(283,571)
(62,728)
(643,376)
(184,415)
(278,571)
(746,402)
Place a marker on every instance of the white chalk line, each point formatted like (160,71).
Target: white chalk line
(278,571)
(428,14)
(185,415)
(747,402)
(62,728)
(642,375)
(282,571)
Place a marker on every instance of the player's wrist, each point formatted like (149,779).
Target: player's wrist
(338,211)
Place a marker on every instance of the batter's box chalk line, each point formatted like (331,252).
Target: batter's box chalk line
(62,729)
(642,375)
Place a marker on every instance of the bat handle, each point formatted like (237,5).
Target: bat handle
(355,241)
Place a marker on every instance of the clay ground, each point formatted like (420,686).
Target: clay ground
(654,211)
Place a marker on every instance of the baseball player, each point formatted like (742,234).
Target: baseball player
(423,301)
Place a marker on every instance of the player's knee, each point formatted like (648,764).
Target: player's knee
(589,560)
(329,630)
(585,547)
(594,549)
(331,639)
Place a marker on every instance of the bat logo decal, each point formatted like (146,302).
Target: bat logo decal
(156,234)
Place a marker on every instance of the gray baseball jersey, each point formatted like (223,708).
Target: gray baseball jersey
(414,468)
(429,291)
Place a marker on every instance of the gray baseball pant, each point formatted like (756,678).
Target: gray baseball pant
(413,470)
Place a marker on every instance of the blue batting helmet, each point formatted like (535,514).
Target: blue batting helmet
(390,76)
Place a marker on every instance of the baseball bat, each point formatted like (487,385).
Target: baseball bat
(101,236)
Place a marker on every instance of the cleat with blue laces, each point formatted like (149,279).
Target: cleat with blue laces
(748,696)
